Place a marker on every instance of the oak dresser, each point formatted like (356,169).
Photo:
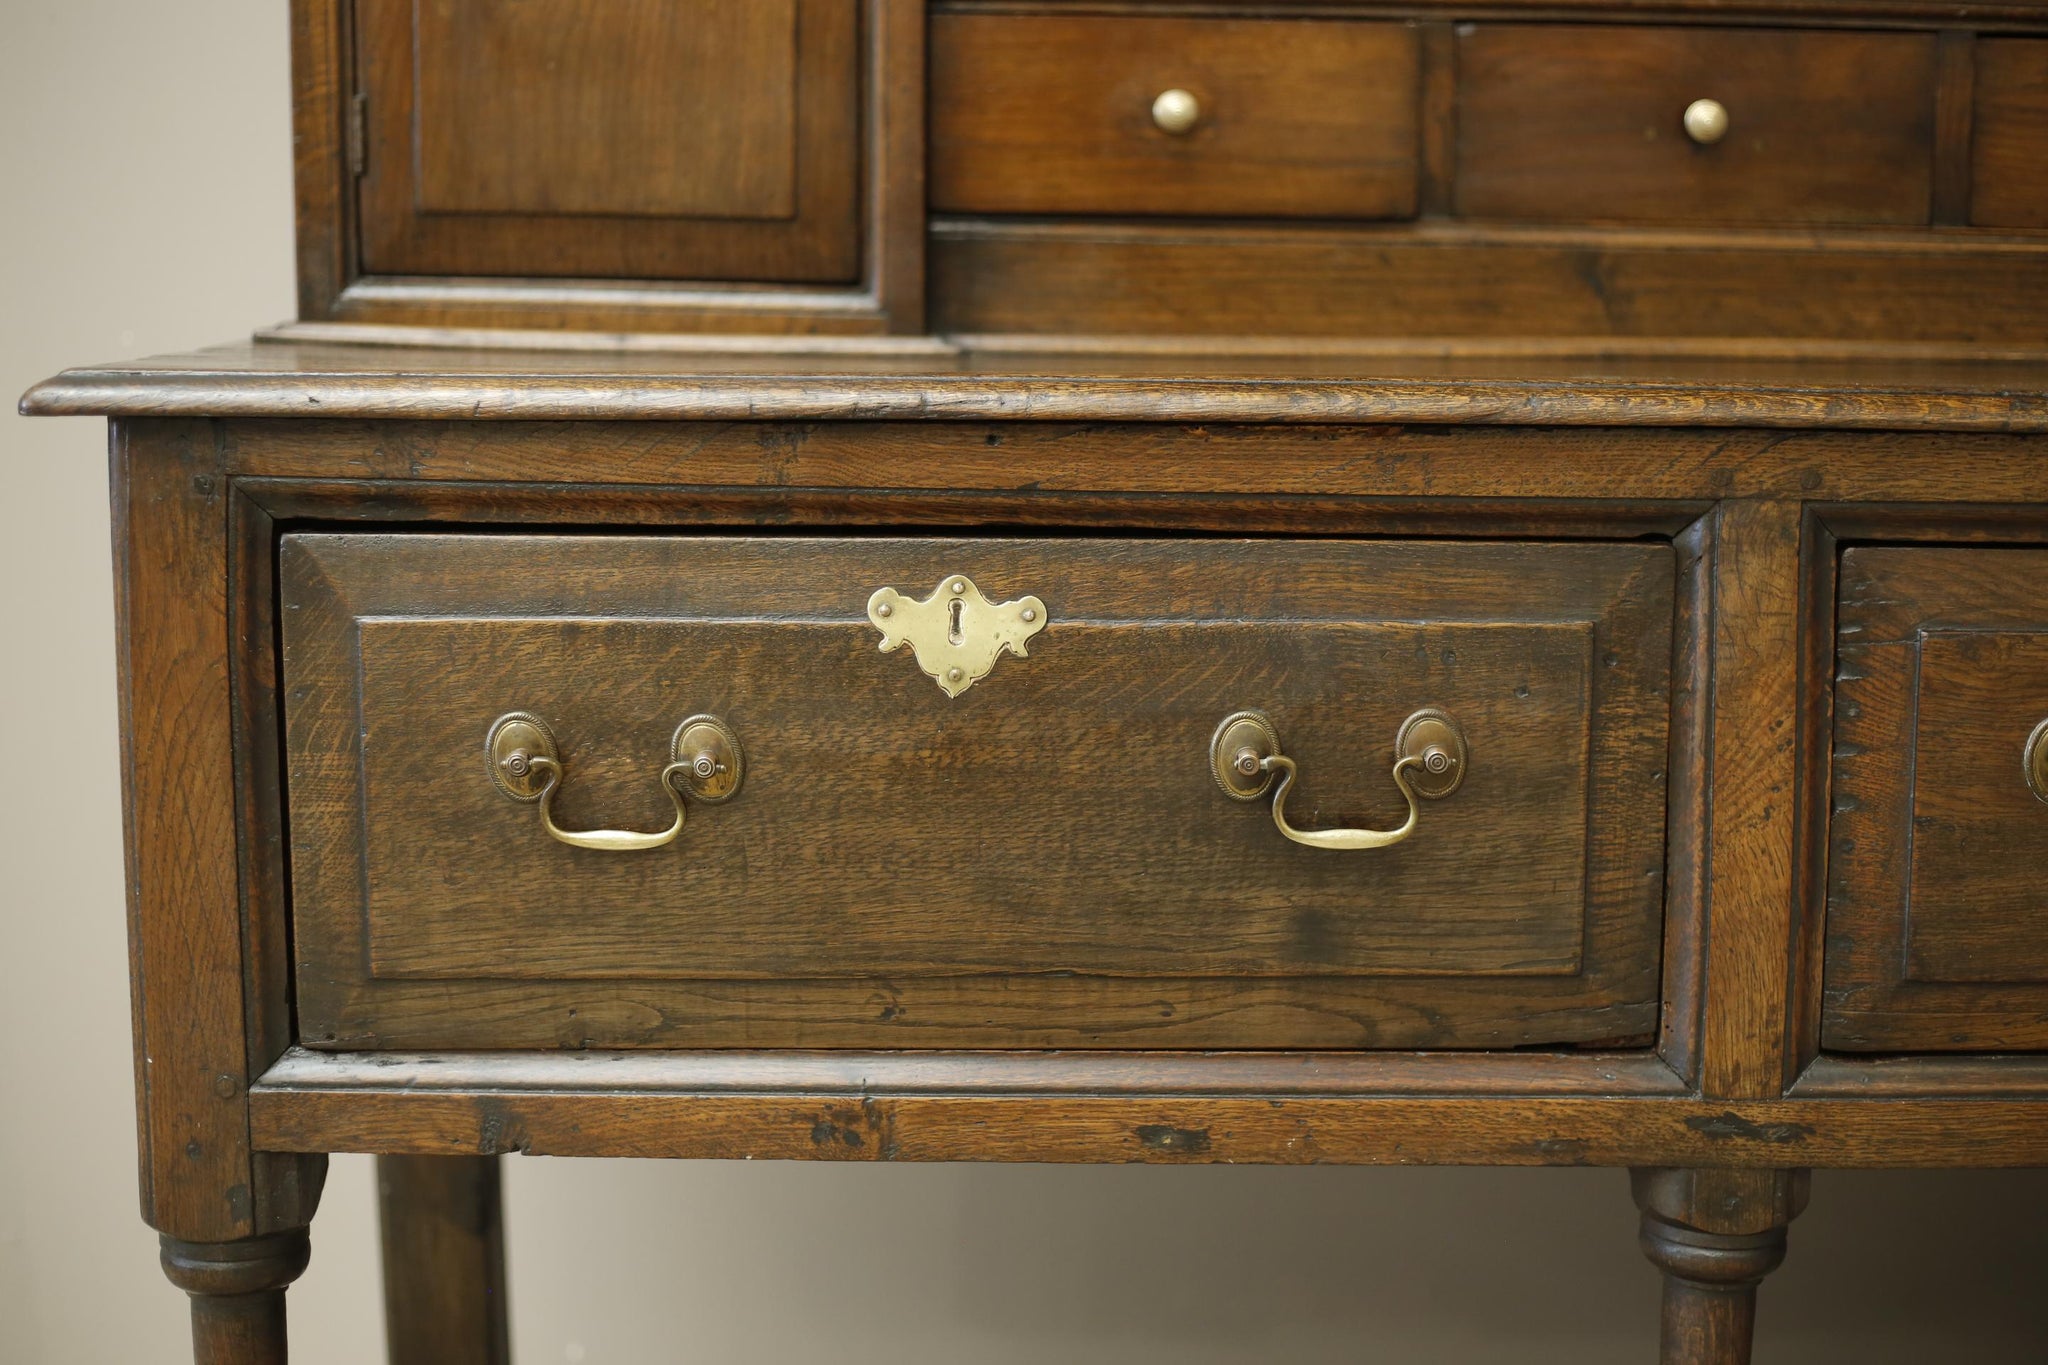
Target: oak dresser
(1057,581)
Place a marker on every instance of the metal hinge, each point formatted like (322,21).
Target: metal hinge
(358,134)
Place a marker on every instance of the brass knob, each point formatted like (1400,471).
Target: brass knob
(1706,121)
(1176,111)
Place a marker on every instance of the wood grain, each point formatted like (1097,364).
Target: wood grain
(857,1125)
(537,148)
(1030,826)
(1435,283)
(442,1228)
(1036,114)
(184,893)
(1570,124)
(1755,776)
(1027,389)
(2010,146)
(1941,676)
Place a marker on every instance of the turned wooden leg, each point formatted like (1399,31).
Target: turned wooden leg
(444,1260)
(1715,1235)
(237,1291)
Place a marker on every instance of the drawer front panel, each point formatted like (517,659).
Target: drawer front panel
(1056,115)
(1937,917)
(1054,829)
(1570,124)
(2009,134)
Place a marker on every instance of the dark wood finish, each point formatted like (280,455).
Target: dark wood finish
(1715,1235)
(1524,911)
(1032,114)
(633,139)
(1955,59)
(2008,187)
(1933,940)
(1440,284)
(237,1291)
(1569,124)
(443,1227)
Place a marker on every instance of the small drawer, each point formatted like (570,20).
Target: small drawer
(2009,148)
(1030,825)
(1647,125)
(1282,118)
(1937,929)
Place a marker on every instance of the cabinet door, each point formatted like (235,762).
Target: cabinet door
(618,139)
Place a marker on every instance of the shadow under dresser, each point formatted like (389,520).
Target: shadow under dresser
(1290,583)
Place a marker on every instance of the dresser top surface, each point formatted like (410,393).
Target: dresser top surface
(919,379)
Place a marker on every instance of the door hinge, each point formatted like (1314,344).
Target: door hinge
(358,134)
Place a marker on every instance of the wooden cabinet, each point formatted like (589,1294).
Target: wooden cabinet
(1937,938)
(1044,860)
(1606,450)
(615,139)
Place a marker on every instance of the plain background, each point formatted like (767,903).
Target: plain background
(146,203)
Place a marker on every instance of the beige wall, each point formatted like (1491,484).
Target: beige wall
(145,205)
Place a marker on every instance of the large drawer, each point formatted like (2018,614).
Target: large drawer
(1044,859)
(1064,114)
(1937,931)
(1562,123)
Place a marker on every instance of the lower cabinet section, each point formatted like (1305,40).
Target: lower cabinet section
(784,791)
(1937,932)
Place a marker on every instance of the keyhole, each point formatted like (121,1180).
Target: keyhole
(958,609)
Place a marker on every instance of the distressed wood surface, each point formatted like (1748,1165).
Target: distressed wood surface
(573,179)
(184,894)
(1778,389)
(865,1125)
(1755,772)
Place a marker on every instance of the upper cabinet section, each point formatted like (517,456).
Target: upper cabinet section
(610,166)
(627,139)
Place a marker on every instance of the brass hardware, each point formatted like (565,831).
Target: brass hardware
(1706,121)
(2034,761)
(1430,758)
(526,764)
(1176,111)
(956,633)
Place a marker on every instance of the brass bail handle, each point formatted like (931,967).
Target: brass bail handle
(526,764)
(1430,757)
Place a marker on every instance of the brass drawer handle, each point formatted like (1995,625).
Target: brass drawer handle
(1430,757)
(2034,761)
(526,764)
